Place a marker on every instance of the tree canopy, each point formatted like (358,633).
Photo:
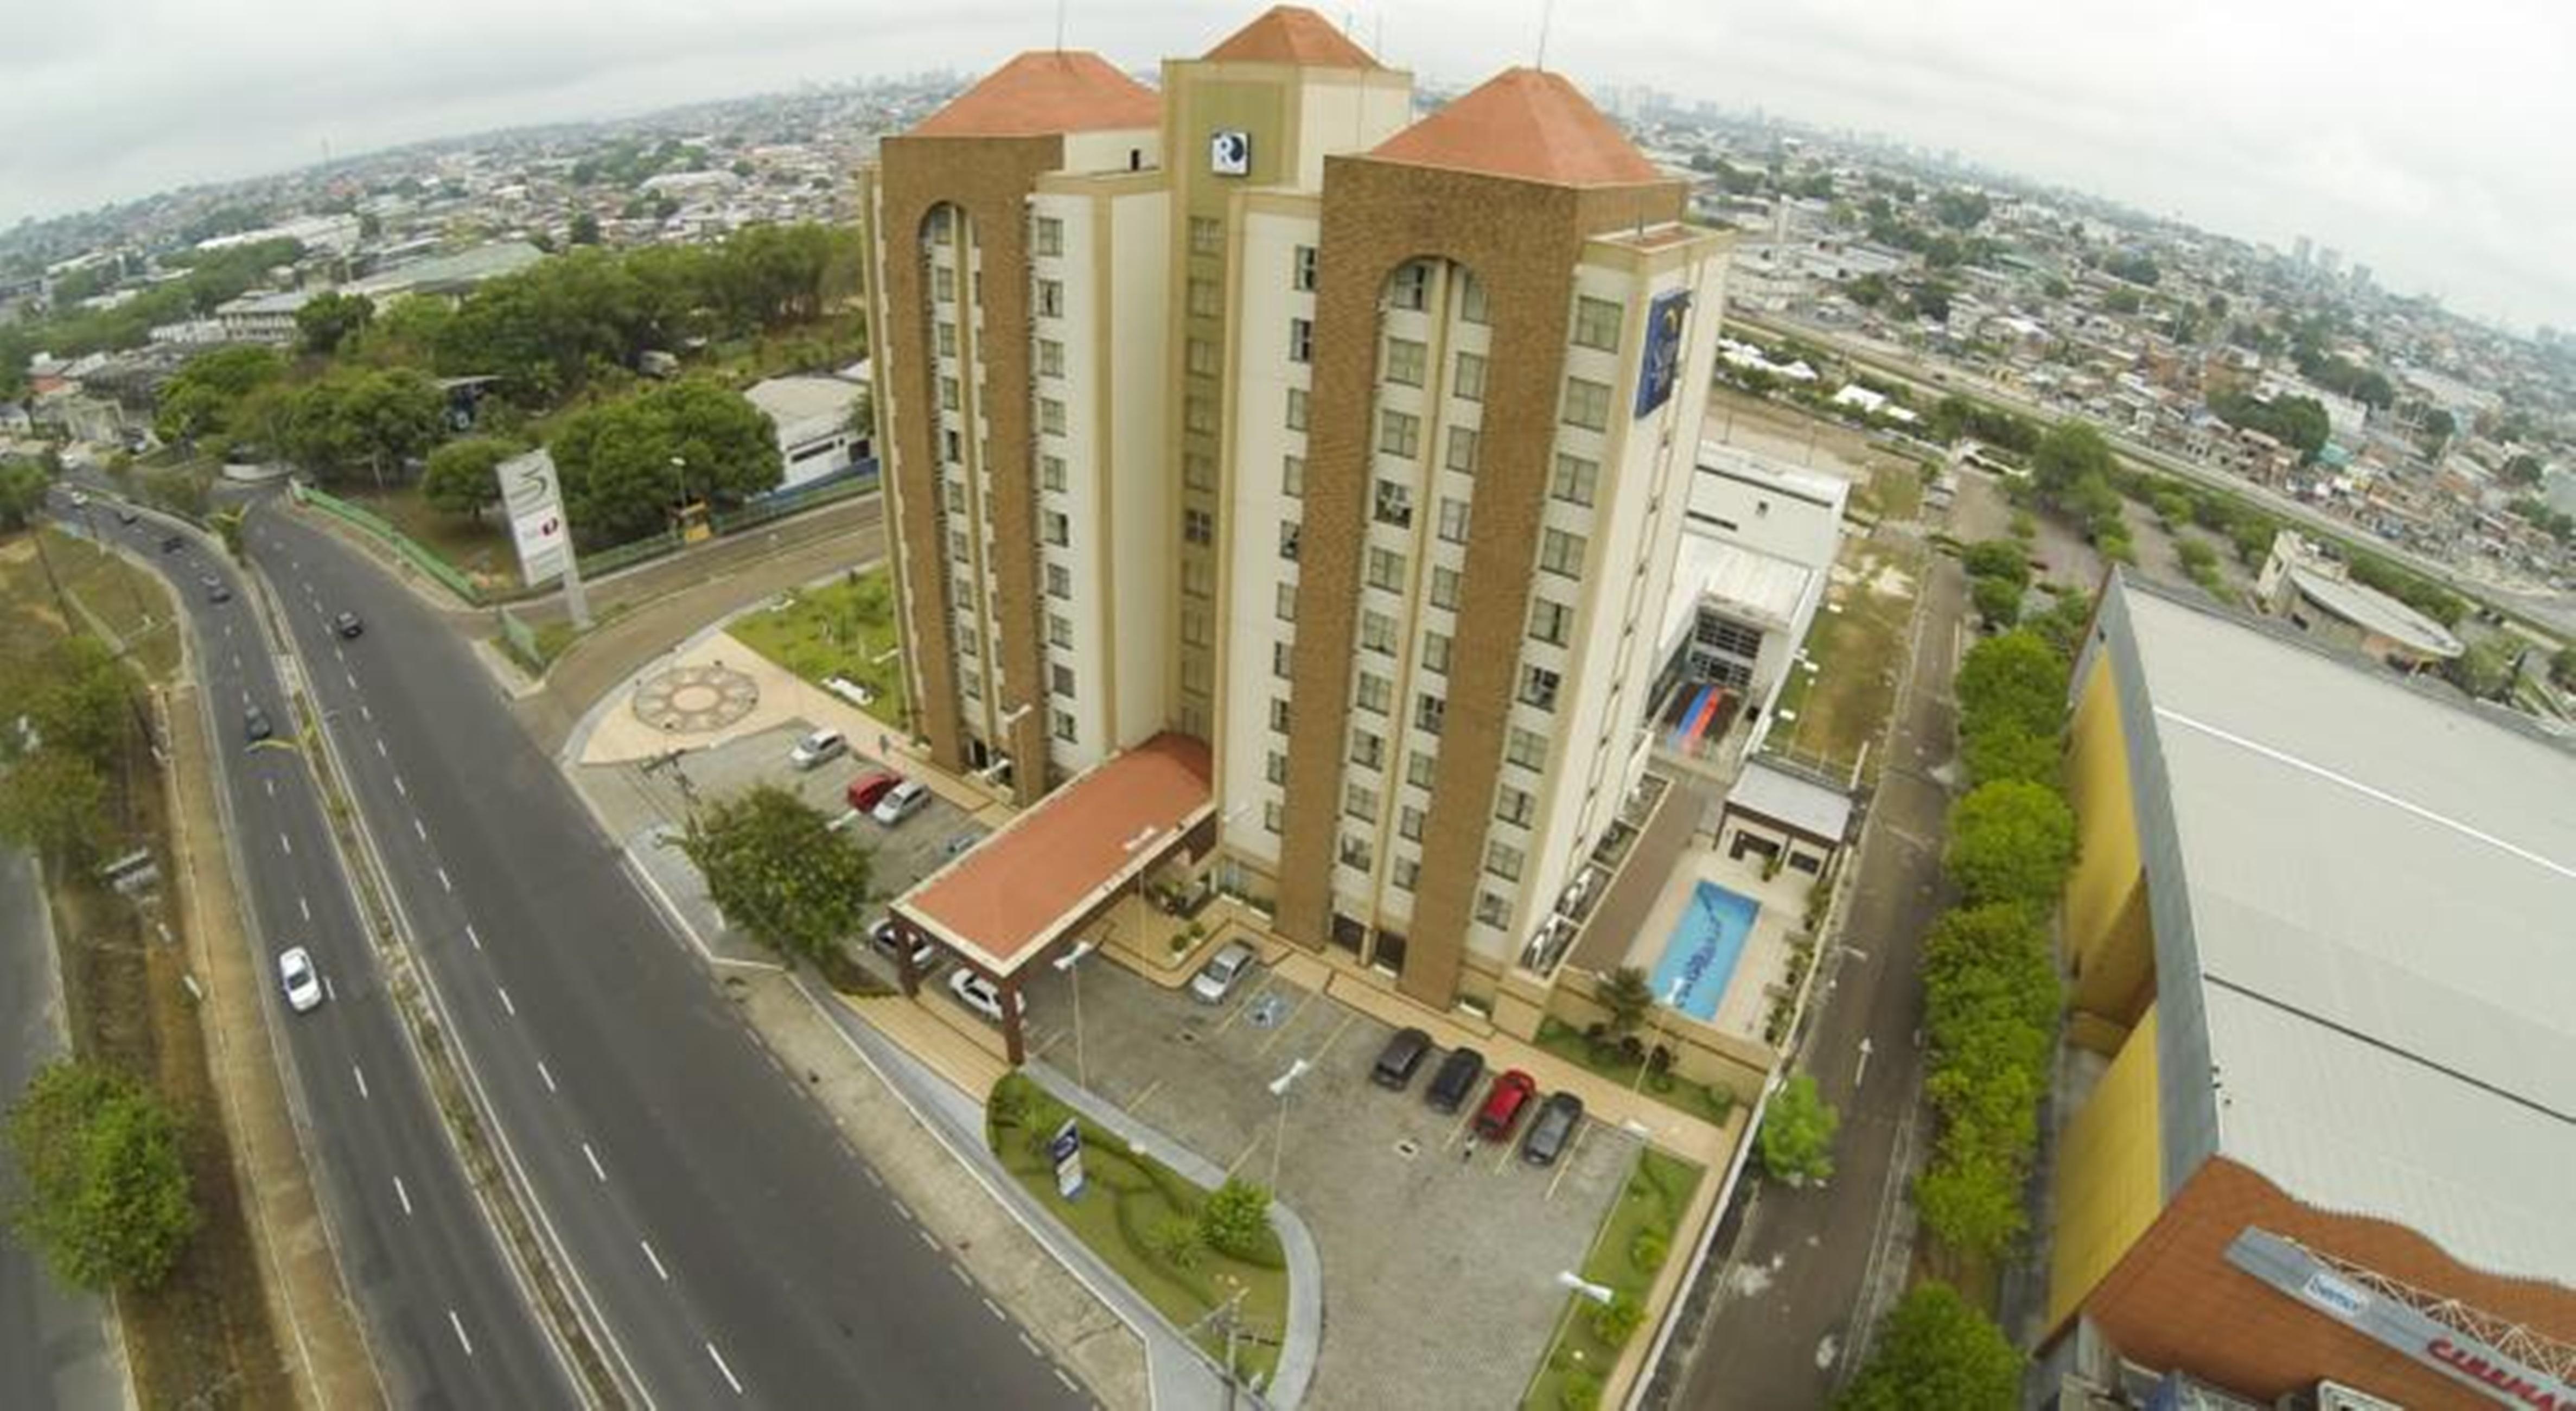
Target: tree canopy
(775,868)
(2011,840)
(200,399)
(2293,421)
(104,1189)
(22,493)
(329,318)
(1936,1351)
(459,478)
(2016,678)
(1797,1138)
(625,464)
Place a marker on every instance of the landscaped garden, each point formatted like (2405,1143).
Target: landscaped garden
(1636,1238)
(844,629)
(1612,1061)
(1187,1250)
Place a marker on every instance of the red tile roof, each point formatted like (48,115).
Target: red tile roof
(1046,91)
(1003,902)
(1292,34)
(1524,123)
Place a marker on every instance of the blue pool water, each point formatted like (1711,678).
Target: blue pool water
(1705,946)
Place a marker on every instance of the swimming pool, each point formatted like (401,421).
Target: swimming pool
(1704,947)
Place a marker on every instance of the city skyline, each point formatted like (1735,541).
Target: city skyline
(2417,153)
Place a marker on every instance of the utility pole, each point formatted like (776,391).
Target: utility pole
(1227,1316)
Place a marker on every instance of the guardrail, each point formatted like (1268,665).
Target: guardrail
(382,529)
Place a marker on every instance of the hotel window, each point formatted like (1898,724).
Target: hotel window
(1194,625)
(1059,581)
(957,544)
(1051,472)
(1428,713)
(1202,357)
(1276,769)
(1470,382)
(1198,526)
(1054,528)
(1538,687)
(1050,298)
(1453,520)
(1050,358)
(1463,449)
(1292,477)
(1575,479)
(1493,910)
(1059,631)
(1356,852)
(1444,588)
(1404,359)
(1049,236)
(1550,621)
(1198,577)
(1060,680)
(1278,715)
(1435,653)
(1394,505)
(1560,552)
(1367,750)
(1305,271)
(1279,660)
(936,232)
(970,686)
(1359,801)
(1503,860)
(1288,542)
(1373,693)
(1377,632)
(1596,324)
(1587,403)
(1198,470)
(1207,235)
(1198,414)
(943,284)
(947,339)
(1513,805)
(1404,872)
(1063,724)
(1286,607)
(1203,299)
(1471,300)
(1418,769)
(1386,570)
(1399,433)
(966,646)
(952,446)
(1301,340)
(1296,408)
(1408,823)
(1050,416)
(1410,287)
(1526,748)
(953,495)
(1270,817)
(948,394)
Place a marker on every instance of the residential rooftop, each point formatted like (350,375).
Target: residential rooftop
(1291,34)
(1526,124)
(1044,92)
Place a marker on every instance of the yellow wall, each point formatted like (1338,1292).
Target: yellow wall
(2109,1175)
(2109,946)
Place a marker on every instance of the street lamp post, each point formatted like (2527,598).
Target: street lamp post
(1279,1088)
(1071,964)
(1598,1293)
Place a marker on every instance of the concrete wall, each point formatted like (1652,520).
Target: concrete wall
(1703,1055)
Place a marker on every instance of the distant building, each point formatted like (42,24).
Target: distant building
(2316,594)
(336,235)
(262,318)
(813,419)
(454,273)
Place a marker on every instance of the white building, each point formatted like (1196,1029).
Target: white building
(812,415)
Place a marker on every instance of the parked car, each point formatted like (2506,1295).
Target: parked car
(868,788)
(976,993)
(173,543)
(216,590)
(1455,1081)
(1400,1059)
(347,625)
(296,975)
(1502,1110)
(1552,1131)
(1224,970)
(888,938)
(126,515)
(818,749)
(905,799)
(255,724)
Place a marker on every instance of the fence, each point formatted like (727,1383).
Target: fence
(412,552)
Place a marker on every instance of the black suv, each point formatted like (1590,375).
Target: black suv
(1401,1058)
(1456,1081)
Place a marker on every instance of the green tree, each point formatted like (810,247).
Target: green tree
(1997,558)
(1997,600)
(775,867)
(1627,998)
(617,460)
(1616,1321)
(1961,208)
(375,418)
(2524,470)
(200,398)
(584,231)
(460,480)
(1936,1351)
(2562,667)
(2011,840)
(1797,1139)
(1970,1199)
(54,802)
(2070,454)
(22,493)
(2007,749)
(73,699)
(328,319)
(1235,1219)
(2486,668)
(2016,678)
(180,491)
(104,1190)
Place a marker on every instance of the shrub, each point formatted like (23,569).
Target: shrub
(1647,1251)
(1616,1321)
(1236,1219)
(1580,1390)
(1797,1138)
(1175,1240)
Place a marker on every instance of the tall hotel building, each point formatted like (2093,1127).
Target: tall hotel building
(1347,449)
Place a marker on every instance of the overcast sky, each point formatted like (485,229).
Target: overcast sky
(2428,141)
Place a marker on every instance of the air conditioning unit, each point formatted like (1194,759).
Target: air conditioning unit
(2334,1396)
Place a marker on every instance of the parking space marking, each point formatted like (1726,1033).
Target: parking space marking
(287,843)
(305,907)
(443,883)
(1139,1104)
(361,1075)
(1268,981)
(1032,1345)
(1281,1031)
(996,1310)
(718,1358)
(1565,1162)
(469,935)
(962,1276)
(402,1195)
(1068,1381)
(380,748)
(365,714)
(420,828)
(459,1325)
(400,787)
(655,1260)
(595,1168)
(505,1000)
(925,1237)
(547,1074)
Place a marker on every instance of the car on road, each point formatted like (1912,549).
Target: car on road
(125,514)
(79,500)
(347,625)
(866,790)
(173,543)
(1503,1106)
(905,799)
(1553,1129)
(818,749)
(888,939)
(976,993)
(1455,1081)
(295,974)
(1400,1059)
(255,724)
(217,591)
(1221,974)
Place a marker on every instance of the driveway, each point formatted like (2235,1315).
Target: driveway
(1440,1252)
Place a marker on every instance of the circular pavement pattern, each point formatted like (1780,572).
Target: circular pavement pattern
(695,699)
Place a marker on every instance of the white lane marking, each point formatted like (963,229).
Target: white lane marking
(902,1209)
(361,1075)
(380,749)
(304,906)
(1032,1345)
(1069,1383)
(595,1168)
(272,787)
(352,680)
(329,989)
(996,1310)
(721,1367)
(925,1237)
(655,1260)
(364,713)
(547,1074)
(236,661)
(469,935)
(459,1325)
(402,1195)
(421,829)
(400,787)
(873,1178)
(960,1271)
(443,883)
(505,1000)
(287,843)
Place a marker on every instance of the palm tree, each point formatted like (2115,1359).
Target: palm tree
(1626,995)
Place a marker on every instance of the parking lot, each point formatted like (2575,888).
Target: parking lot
(1440,1252)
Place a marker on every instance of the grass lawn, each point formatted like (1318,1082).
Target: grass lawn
(478,547)
(1698,1099)
(1828,714)
(1642,1223)
(1128,1195)
(132,602)
(840,629)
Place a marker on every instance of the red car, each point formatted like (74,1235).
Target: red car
(1502,1110)
(870,787)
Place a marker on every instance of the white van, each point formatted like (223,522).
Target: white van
(901,802)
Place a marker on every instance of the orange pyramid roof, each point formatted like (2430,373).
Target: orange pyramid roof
(1292,34)
(1046,91)
(1524,123)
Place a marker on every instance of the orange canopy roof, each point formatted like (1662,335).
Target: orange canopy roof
(1046,91)
(1292,34)
(1524,123)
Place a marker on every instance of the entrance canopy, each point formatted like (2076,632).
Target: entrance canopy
(1049,870)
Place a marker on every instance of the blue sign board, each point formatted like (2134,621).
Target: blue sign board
(1663,356)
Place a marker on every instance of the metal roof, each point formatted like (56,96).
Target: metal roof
(1787,798)
(2362,895)
(2374,611)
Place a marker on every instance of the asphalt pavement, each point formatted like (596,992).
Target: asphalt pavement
(54,1351)
(446,1315)
(733,1248)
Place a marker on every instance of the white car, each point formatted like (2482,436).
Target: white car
(302,983)
(888,939)
(1222,973)
(976,993)
(818,749)
(901,802)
